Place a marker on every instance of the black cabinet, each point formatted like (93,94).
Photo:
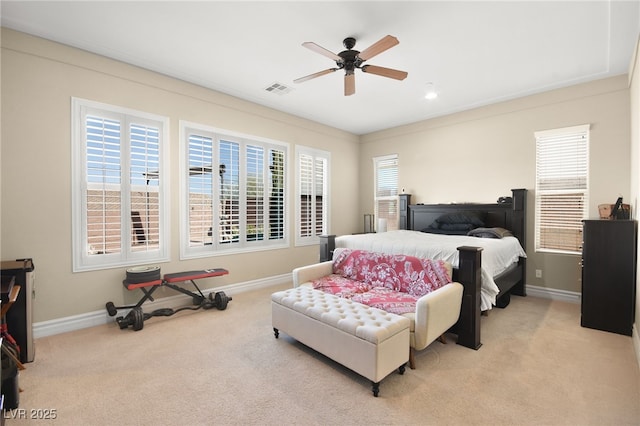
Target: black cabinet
(20,316)
(608,275)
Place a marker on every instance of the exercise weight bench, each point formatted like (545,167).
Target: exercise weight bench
(136,317)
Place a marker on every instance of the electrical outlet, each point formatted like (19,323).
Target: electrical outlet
(538,273)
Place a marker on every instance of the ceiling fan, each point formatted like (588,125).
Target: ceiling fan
(351,59)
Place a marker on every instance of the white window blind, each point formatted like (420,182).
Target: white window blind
(386,190)
(234,188)
(562,188)
(312,195)
(118,207)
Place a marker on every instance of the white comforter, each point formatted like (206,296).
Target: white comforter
(497,254)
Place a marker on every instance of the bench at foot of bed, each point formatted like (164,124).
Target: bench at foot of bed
(369,341)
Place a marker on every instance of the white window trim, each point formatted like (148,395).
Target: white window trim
(188,252)
(81,261)
(326,197)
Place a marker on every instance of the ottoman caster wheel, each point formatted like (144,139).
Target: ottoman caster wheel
(375,388)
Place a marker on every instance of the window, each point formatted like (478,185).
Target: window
(562,188)
(118,186)
(234,190)
(386,190)
(312,195)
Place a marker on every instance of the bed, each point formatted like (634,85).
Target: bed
(490,269)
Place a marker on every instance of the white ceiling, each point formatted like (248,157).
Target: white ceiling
(475,52)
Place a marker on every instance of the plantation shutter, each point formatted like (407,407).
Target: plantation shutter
(312,172)
(145,184)
(229,225)
(255,193)
(236,193)
(277,167)
(386,190)
(104,195)
(200,160)
(305,165)
(562,184)
(320,173)
(118,207)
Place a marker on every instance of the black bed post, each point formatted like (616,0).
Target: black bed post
(520,231)
(327,246)
(518,224)
(403,211)
(468,326)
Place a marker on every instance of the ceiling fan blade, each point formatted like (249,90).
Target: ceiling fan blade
(378,47)
(314,75)
(321,50)
(349,84)
(385,72)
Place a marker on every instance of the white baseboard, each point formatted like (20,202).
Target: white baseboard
(90,319)
(554,294)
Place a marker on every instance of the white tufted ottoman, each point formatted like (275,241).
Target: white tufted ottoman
(367,340)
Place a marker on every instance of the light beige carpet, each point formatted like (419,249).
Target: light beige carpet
(537,366)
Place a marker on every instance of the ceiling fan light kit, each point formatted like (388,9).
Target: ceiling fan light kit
(350,59)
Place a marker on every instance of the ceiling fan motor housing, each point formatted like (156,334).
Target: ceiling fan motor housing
(350,60)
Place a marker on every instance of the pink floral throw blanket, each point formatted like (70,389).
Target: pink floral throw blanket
(385,281)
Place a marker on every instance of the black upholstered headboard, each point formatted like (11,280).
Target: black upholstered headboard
(511,216)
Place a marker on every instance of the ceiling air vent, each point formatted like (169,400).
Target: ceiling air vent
(278,88)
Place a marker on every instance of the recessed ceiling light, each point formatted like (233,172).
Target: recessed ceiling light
(431,92)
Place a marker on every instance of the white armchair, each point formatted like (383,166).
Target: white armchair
(435,313)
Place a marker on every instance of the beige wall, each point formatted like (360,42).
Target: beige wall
(476,155)
(38,80)
(479,155)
